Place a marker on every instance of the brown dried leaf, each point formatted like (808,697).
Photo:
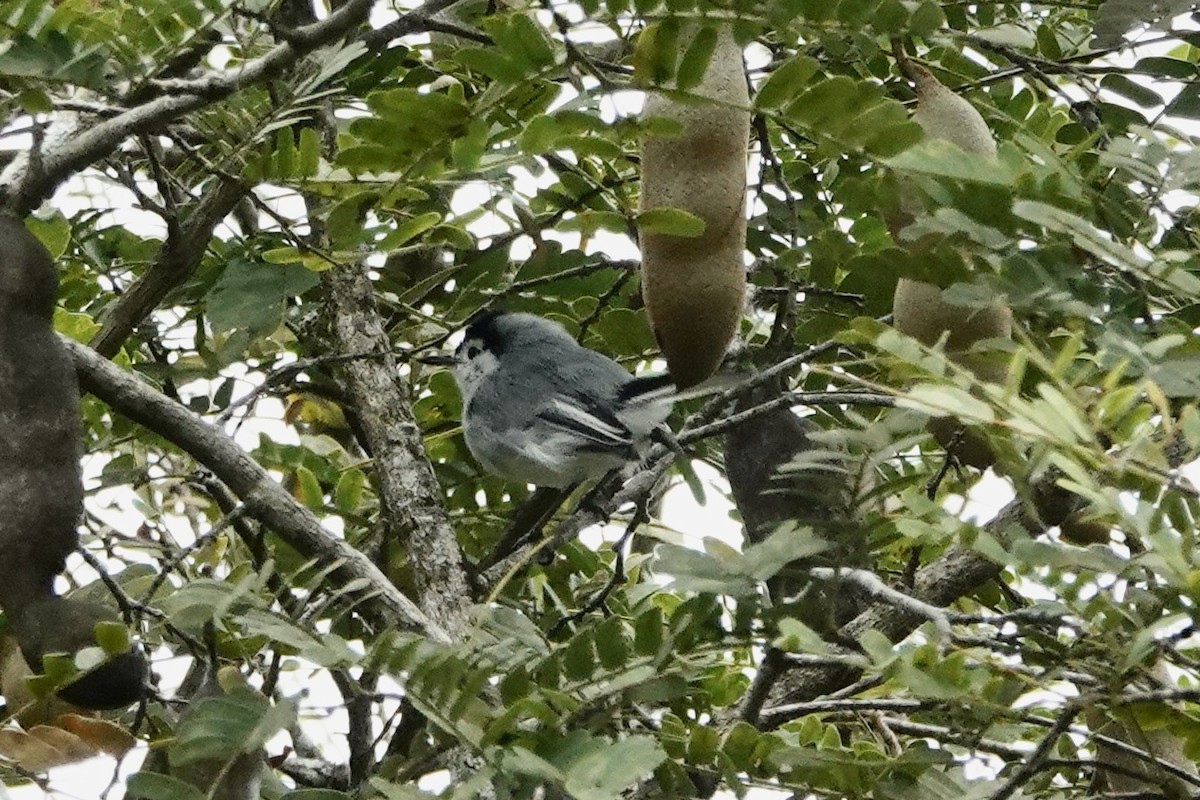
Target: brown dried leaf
(104,736)
(30,752)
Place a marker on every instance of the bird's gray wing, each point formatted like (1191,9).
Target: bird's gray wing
(596,426)
(559,389)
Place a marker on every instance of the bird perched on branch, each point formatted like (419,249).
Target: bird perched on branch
(540,408)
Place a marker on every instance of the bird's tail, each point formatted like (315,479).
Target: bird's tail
(660,389)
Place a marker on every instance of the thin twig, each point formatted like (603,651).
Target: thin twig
(794,710)
(598,600)
(1033,764)
(787,400)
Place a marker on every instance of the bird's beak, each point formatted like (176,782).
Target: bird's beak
(437,359)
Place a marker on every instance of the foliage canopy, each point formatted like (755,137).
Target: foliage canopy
(320,199)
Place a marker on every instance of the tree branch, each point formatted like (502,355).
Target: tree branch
(177,259)
(1028,768)
(34,176)
(416,20)
(411,499)
(262,496)
(875,586)
(957,573)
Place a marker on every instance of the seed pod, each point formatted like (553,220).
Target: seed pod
(41,495)
(919,308)
(924,314)
(694,287)
(945,115)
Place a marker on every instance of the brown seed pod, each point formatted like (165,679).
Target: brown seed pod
(923,313)
(694,287)
(945,115)
(920,309)
(41,496)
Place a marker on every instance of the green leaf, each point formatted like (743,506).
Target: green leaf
(328,653)
(152,786)
(541,132)
(703,744)
(944,159)
(938,399)
(1093,559)
(579,659)
(414,227)
(606,772)
(739,745)
(926,19)
(284,161)
(596,146)
(80,327)
(694,571)
(468,149)
(927,682)
(891,17)
(34,101)
(1186,103)
(310,153)
(612,644)
(588,222)
(308,489)
(54,232)
(785,82)
(222,728)
(1125,87)
(655,52)
(648,632)
(531,39)
(788,543)
(492,63)
(795,636)
(348,494)
(671,222)
(523,762)
(113,637)
(1162,67)
(696,58)
(250,297)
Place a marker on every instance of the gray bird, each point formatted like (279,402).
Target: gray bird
(540,408)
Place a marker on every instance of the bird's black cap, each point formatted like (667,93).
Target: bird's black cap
(487,328)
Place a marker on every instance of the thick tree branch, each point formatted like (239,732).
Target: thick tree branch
(31,178)
(264,498)
(412,507)
(417,20)
(955,574)
(177,259)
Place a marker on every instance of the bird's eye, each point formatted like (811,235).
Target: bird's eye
(472,351)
